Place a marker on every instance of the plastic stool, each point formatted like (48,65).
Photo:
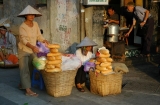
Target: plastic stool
(39,81)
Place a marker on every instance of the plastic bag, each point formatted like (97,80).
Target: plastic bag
(39,63)
(70,62)
(42,48)
(88,66)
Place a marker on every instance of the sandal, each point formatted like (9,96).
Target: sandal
(81,89)
(32,94)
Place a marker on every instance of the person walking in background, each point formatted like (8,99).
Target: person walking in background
(29,34)
(84,53)
(144,18)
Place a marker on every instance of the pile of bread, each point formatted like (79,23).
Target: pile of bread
(54,59)
(103,62)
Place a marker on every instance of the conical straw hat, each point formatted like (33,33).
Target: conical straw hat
(87,42)
(29,10)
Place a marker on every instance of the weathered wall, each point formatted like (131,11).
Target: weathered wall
(64,23)
(1,10)
(60,20)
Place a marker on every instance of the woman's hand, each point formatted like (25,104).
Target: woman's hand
(142,24)
(127,34)
(35,49)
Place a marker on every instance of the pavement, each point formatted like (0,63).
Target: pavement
(141,86)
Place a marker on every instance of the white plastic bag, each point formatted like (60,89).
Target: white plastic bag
(39,63)
(70,62)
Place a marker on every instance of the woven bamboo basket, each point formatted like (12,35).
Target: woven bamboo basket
(105,84)
(60,83)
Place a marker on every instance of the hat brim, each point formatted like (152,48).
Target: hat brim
(87,42)
(36,15)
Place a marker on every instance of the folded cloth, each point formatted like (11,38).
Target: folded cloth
(120,68)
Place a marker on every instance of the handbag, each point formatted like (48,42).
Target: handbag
(142,31)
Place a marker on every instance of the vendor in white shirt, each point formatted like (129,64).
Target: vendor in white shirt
(8,41)
(84,53)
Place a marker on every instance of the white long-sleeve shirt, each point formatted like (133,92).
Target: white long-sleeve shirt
(84,58)
(9,41)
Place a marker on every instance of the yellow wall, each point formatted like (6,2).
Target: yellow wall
(139,2)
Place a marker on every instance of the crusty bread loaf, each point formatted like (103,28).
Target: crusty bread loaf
(105,64)
(58,66)
(58,57)
(104,55)
(50,66)
(51,58)
(103,51)
(54,54)
(109,59)
(53,46)
(101,59)
(53,70)
(101,68)
(55,62)
(105,72)
(53,50)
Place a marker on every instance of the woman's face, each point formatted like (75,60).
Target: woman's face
(3,32)
(88,48)
(30,17)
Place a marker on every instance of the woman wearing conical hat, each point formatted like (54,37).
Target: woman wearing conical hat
(84,53)
(29,33)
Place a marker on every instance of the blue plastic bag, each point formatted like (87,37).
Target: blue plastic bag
(42,48)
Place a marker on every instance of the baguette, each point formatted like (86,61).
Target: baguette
(55,62)
(101,59)
(58,66)
(53,46)
(101,68)
(53,70)
(103,51)
(50,66)
(51,58)
(105,72)
(104,55)
(54,54)
(59,57)
(106,64)
(97,63)
(109,59)
(53,50)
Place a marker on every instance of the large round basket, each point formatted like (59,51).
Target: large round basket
(105,84)
(60,83)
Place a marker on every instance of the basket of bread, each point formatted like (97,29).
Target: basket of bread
(103,80)
(58,83)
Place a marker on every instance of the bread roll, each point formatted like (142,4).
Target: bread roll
(53,50)
(58,57)
(101,68)
(92,60)
(58,66)
(106,64)
(50,66)
(105,72)
(103,51)
(97,63)
(109,59)
(54,54)
(53,46)
(98,71)
(53,70)
(101,59)
(55,62)
(51,58)
(109,67)
(104,55)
